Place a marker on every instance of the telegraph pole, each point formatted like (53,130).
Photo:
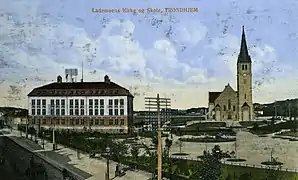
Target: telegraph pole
(156,104)
(159,146)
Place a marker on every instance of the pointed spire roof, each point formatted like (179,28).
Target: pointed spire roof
(243,55)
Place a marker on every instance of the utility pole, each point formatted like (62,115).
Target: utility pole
(159,146)
(156,104)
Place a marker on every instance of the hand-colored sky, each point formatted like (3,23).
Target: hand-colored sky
(180,55)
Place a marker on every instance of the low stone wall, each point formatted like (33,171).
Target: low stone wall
(17,158)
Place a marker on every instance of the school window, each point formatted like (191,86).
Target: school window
(33,102)
(116,102)
(63,102)
(71,112)
(76,112)
(102,122)
(121,121)
(57,112)
(44,103)
(101,102)
(38,102)
(96,121)
(96,112)
(33,112)
(116,112)
(110,102)
(121,112)
(121,102)
(102,112)
(90,112)
(116,122)
(82,112)
(111,122)
(38,111)
(63,112)
(44,112)
(111,112)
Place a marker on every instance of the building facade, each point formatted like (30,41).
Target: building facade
(231,104)
(100,106)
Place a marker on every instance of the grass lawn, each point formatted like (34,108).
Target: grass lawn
(257,173)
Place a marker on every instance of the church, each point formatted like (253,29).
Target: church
(233,104)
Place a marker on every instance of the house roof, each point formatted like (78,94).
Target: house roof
(80,89)
(213,96)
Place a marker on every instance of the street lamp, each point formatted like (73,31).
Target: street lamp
(108,163)
(43,139)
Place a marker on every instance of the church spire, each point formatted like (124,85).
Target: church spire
(243,55)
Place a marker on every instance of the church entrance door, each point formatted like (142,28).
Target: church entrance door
(245,114)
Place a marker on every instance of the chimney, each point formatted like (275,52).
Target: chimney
(107,79)
(59,79)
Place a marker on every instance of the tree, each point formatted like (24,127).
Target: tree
(210,167)
(179,143)
(152,159)
(273,174)
(245,176)
(154,140)
(134,151)
(168,145)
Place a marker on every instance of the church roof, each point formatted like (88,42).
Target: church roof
(213,96)
(243,56)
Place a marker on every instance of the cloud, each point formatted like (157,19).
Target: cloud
(36,45)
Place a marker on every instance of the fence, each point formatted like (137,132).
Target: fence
(238,164)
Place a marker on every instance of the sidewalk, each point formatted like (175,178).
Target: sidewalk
(96,168)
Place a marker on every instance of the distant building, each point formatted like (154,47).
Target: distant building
(230,104)
(100,106)
(149,118)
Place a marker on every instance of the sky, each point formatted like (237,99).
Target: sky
(180,55)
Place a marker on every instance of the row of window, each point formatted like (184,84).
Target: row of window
(77,112)
(77,102)
(81,122)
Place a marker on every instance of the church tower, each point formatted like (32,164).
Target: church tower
(244,82)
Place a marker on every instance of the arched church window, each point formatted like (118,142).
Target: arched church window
(229,104)
(234,108)
(245,96)
(225,107)
(245,67)
(242,67)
